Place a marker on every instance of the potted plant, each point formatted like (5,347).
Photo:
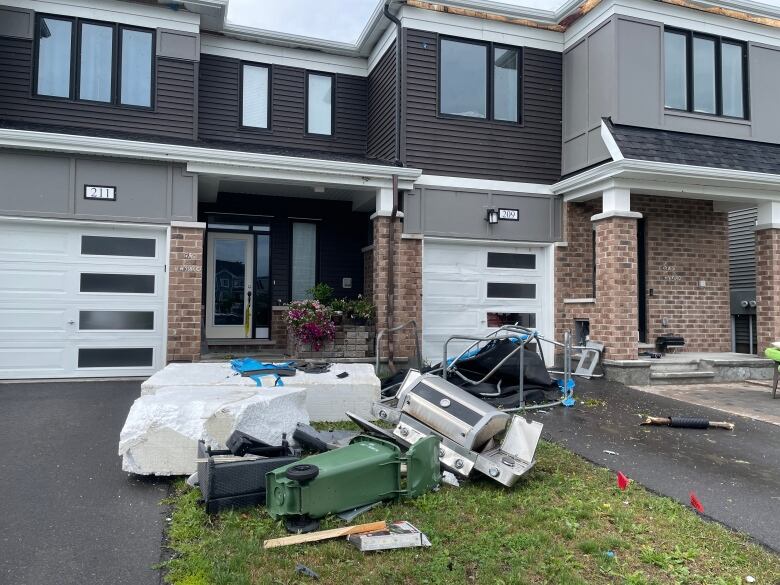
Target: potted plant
(338,308)
(361,311)
(321,292)
(310,323)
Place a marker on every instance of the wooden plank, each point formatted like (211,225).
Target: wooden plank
(324,534)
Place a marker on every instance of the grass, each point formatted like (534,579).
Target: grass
(556,526)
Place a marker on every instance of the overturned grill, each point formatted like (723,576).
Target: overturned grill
(468,428)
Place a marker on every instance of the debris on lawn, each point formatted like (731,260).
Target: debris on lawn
(697,505)
(304,570)
(686,422)
(324,534)
(350,515)
(396,535)
(622,480)
(450,479)
(368,470)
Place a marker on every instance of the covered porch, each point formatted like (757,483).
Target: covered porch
(646,251)
(269,232)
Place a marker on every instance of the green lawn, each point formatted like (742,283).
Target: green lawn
(553,527)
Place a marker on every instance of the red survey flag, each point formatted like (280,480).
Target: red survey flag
(622,480)
(696,503)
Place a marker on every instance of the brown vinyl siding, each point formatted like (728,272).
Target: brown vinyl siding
(220,106)
(173,114)
(483,149)
(382,107)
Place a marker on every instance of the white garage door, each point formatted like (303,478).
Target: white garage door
(81,299)
(470,289)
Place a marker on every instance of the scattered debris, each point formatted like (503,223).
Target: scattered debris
(350,515)
(304,570)
(396,535)
(608,452)
(697,505)
(622,480)
(686,422)
(610,554)
(321,441)
(750,579)
(450,479)
(368,470)
(324,534)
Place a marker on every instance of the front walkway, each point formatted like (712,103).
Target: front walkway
(736,475)
(750,399)
(70,515)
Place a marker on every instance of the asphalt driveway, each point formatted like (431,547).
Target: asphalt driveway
(735,474)
(69,514)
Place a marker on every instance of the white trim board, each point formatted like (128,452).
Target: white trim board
(485,184)
(132,13)
(209,160)
(257,52)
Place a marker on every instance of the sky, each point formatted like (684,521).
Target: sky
(336,20)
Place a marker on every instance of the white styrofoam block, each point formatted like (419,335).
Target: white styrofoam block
(162,430)
(328,397)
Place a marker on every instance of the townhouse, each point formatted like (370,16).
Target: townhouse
(171,180)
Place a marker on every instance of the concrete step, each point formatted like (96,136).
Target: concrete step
(674,366)
(691,377)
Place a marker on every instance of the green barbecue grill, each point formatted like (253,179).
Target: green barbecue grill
(366,471)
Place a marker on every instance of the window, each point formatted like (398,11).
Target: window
(510,260)
(117,283)
(254,96)
(511,290)
(479,80)
(88,69)
(55,40)
(95,62)
(705,74)
(136,71)
(319,100)
(119,320)
(506,80)
(304,259)
(114,246)
(115,357)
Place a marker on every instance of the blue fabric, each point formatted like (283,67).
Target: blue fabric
(568,393)
(242,365)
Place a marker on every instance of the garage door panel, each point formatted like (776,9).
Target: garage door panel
(45,319)
(456,278)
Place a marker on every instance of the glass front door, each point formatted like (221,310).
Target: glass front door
(262,301)
(229,286)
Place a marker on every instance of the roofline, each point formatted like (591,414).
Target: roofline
(228,162)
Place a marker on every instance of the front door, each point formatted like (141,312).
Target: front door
(229,286)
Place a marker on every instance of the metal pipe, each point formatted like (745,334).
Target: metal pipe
(398,78)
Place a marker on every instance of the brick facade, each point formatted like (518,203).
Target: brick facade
(408,284)
(686,243)
(767,285)
(184,294)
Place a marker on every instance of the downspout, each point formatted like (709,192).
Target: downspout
(394,213)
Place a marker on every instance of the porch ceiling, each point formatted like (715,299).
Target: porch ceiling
(363,199)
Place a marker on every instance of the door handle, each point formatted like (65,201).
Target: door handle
(71,322)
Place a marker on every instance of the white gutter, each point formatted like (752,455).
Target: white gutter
(211,158)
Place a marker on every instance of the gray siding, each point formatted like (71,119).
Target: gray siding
(742,258)
(436,211)
(382,107)
(620,67)
(219,109)
(482,149)
(43,185)
(173,115)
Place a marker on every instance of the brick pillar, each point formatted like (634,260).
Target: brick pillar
(184,294)
(616,287)
(408,283)
(767,287)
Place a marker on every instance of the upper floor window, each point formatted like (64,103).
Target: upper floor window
(705,74)
(479,80)
(319,103)
(254,95)
(94,61)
